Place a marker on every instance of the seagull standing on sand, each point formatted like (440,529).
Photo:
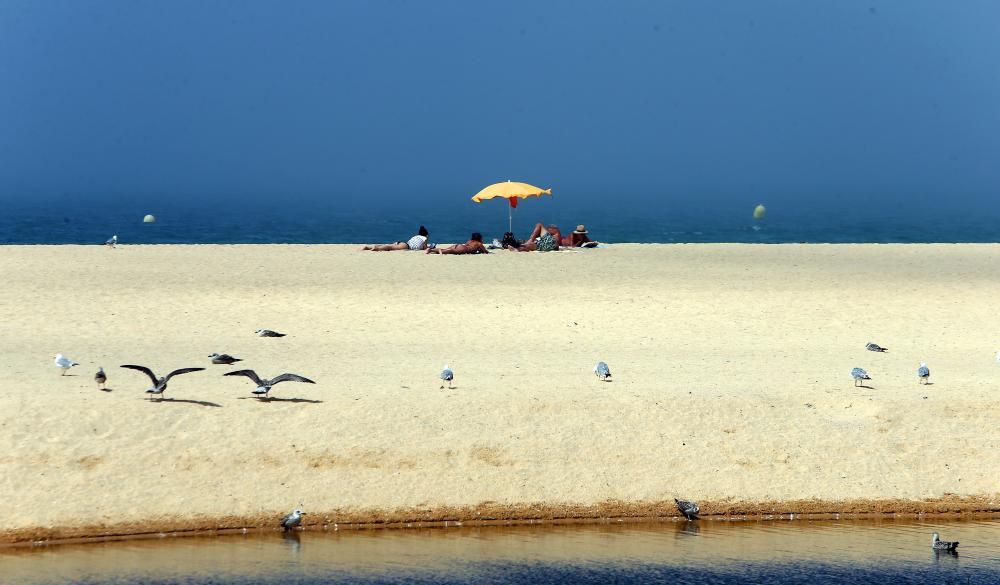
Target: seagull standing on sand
(268,333)
(859,375)
(938,544)
(875,347)
(689,509)
(292,520)
(223,359)
(64,362)
(101,378)
(264,386)
(602,371)
(923,372)
(160,384)
(112,242)
(447,375)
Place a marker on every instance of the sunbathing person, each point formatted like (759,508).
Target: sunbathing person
(542,239)
(417,242)
(473,246)
(578,239)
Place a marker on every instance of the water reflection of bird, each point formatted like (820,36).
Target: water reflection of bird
(938,544)
(689,509)
(688,528)
(293,540)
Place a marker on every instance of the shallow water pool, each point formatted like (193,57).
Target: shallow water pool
(701,552)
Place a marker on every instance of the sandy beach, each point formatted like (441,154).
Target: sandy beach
(731,383)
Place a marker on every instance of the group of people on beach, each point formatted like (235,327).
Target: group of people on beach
(542,239)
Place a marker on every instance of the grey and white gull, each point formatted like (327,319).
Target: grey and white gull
(923,373)
(264,385)
(268,333)
(602,371)
(447,375)
(938,544)
(859,375)
(112,241)
(875,347)
(689,509)
(223,359)
(65,363)
(290,521)
(159,384)
(100,377)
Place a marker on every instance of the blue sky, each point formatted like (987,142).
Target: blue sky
(797,103)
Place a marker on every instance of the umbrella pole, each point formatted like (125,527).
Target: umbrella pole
(510,219)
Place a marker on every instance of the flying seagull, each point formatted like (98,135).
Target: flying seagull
(264,386)
(160,384)
(938,544)
(112,242)
(64,362)
(100,377)
(602,371)
(875,347)
(292,520)
(224,359)
(923,372)
(859,375)
(447,375)
(268,333)
(689,509)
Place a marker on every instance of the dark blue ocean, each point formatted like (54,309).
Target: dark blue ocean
(298,222)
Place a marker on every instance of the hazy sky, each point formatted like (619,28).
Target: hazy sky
(796,102)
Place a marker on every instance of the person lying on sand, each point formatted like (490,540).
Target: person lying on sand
(417,242)
(542,239)
(473,246)
(578,239)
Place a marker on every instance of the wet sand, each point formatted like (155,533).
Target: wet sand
(730,364)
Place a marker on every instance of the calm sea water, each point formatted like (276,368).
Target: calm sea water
(705,552)
(297,222)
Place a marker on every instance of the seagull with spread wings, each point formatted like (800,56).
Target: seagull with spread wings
(264,386)
(159,384)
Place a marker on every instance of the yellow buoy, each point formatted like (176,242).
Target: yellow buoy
(148,219)
(759,211)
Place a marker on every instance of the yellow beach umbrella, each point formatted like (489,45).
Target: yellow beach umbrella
(511,191)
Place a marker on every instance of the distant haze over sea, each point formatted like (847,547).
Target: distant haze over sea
(296,220)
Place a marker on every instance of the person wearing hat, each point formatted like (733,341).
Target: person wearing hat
(578,238)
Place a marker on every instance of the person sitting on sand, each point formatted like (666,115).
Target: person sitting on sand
(417,242)
(542,239)
(473,246)
(578,239)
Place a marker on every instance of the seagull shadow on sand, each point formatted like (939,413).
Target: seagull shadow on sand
(275,399)
(106,389)
(865,387)
(185,401)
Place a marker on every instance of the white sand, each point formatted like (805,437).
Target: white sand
(731,378)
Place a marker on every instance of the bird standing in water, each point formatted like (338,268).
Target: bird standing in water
(689,509)
(290,521)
